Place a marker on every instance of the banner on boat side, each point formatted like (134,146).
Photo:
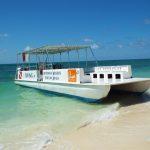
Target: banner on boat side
(62,75)
(72,75)
(27,75)
(125,70)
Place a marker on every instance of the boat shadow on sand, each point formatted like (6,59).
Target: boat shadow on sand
(126,98)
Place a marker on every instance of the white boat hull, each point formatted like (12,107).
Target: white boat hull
(89,90)
(139,85)
(85,90)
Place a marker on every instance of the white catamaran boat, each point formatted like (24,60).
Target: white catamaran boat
(51,76)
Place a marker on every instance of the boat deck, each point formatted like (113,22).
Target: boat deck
(132,85)
(131,80)
(125,81)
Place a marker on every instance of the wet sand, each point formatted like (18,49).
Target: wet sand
(128,130)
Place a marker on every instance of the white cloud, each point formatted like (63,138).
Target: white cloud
(147,21)
(3,35)
(140,43)
(120,46)
(3,51)
(87,40)
(27,48)
(95,46)
(62,44)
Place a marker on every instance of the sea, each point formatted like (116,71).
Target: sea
(31,118)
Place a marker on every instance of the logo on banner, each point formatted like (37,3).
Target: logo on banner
(20,74)
(72,75)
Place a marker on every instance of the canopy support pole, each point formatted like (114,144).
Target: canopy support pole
(17,60)
(94,57)
(86,58)
(37,62)
(29,61)
(47,59)
(53,61)
(68,59)
(78,59)
(60,58)
(17,68)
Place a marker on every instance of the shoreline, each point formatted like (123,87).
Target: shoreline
(130,129)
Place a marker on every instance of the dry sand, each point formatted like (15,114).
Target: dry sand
(129,130)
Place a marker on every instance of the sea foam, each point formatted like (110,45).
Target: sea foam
(37,142)
(1,147)
(102,114)
(147,92)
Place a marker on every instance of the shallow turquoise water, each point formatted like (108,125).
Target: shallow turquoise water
(28,105)
(24,109)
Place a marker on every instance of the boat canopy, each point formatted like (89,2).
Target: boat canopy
(54,49)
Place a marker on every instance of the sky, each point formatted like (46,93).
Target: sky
(115,29)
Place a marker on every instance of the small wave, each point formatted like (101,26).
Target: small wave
(37,142)
(146,96)
(1,147)
(103,114)
(147,92)
(40,141)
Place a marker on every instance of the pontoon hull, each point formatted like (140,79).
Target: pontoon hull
(138,85)
(88,91)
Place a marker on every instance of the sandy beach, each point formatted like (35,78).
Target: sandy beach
(128,129)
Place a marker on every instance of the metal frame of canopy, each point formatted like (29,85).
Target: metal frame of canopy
(52,50)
